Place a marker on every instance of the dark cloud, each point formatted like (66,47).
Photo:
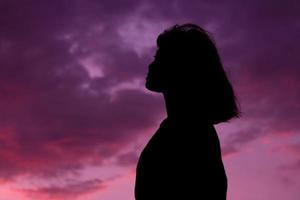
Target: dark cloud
(55,118)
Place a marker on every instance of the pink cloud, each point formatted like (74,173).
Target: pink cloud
(70,191)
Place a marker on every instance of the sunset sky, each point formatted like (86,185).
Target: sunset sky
(74,113)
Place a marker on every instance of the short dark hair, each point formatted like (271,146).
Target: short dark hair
(190,47)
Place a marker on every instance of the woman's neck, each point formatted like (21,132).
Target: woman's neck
(182,109)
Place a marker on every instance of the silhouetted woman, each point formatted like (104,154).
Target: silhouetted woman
(183,158)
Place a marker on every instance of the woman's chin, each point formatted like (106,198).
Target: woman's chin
(153,87)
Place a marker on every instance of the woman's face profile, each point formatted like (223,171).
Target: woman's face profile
(156,79)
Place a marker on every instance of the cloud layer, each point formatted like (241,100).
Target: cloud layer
(72,80)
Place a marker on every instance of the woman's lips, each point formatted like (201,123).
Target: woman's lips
(147,78)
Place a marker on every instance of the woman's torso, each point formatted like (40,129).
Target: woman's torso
(183,158)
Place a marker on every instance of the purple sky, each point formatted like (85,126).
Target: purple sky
(74,113)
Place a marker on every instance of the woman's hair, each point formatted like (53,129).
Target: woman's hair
(194,64)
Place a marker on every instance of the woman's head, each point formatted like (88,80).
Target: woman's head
(187,61)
